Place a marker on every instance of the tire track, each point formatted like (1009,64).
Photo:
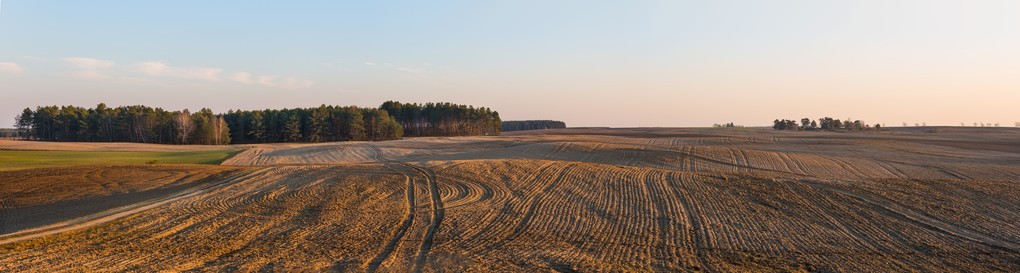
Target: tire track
(923,220)
(438,211)
(494,218)
(437,216)
(465,193)
(121,212)
(398,234)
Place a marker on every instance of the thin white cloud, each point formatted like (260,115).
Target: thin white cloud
(95,69)
(90,75)
(409,70)
(160,69)
(416,72)
(284,82)
(406,69)
(88,63)
(242,77)
(151,68)
(89,68)
(10,68)
(266,80)
(271,81)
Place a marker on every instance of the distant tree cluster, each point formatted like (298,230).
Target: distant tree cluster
(122,124)
(825,123)
(726,125)
(321,124)
(443,119)
(983,124)
(521,125)
(8,133)
(785,124)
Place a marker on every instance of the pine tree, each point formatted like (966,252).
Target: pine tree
(292,129)
(23,122)
(258,127)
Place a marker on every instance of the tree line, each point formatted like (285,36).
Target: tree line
(520,125)
(321,124)
(825,123)
(135,123)
(144,124)
(443,119)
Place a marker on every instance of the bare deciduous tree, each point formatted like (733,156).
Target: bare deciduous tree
(184,126)
(220,129)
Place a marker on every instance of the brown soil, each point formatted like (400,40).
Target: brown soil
(594,199)
(40,197)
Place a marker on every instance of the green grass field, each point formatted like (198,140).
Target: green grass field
(16,160)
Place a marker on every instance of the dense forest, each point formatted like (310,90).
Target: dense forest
(520,125)
(825,123)
(321,124)
(443,119)
(122,124)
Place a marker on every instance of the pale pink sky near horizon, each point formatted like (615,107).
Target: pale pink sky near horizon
(592,63)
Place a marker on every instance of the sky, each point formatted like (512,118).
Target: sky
(588,63)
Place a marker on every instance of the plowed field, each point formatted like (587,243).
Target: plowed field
(644,199)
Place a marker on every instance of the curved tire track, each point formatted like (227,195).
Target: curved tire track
(438,211)
(398,234)
(437,215)
(121,212)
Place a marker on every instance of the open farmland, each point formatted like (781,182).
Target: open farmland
(655,199)
(16,155)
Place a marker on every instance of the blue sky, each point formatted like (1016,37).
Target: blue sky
(589,63)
